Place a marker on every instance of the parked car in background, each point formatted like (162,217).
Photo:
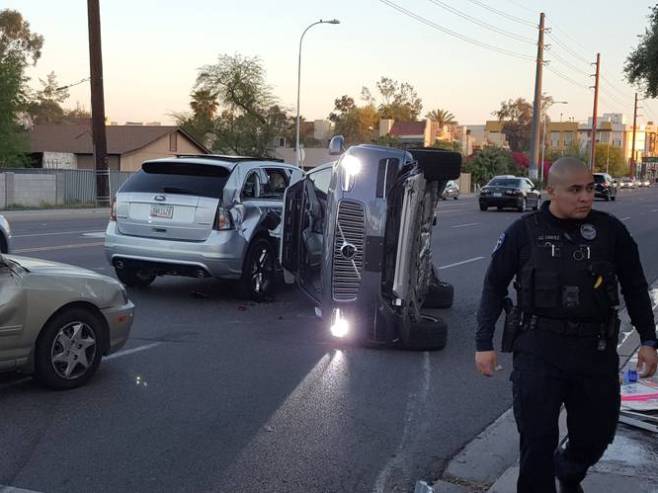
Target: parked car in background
(510,191)
(628,183)
(604,187)
(5,236)
(646,182)
(200,216)
(451,190)
(57,321)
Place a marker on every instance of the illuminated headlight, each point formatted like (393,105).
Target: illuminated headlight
(339,327)
(351,168)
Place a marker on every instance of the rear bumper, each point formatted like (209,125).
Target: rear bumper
(220,255)
(501,201)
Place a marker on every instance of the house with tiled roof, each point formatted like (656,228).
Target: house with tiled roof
(69,146)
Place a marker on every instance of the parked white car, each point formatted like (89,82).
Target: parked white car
(5,235)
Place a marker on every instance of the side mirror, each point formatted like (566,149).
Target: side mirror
(336,145)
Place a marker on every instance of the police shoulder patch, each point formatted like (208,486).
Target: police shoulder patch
(499,243)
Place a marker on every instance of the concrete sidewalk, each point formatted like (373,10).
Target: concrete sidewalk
(38,214)
(490,462)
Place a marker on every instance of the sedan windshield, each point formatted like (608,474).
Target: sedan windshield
(505,182)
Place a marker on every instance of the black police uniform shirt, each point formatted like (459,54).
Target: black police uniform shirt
(512,252)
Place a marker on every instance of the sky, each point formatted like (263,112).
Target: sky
(153,49)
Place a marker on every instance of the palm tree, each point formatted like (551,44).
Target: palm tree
(441,117)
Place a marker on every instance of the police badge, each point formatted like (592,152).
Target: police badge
(588,231)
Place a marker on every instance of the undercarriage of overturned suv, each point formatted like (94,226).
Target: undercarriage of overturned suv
(372,277)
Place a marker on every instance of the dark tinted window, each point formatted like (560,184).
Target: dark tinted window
(178,178)
(505,182)
(599,179)
(321,180)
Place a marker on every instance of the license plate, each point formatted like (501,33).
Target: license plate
(498,194)
(164,211)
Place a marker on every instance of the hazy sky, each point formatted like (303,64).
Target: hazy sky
(153,48)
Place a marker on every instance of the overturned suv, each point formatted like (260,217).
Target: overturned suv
(357,239)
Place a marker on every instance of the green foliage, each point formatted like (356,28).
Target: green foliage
(17,42)
(490,162)
(249,120)
(610,159)
(448,145)
(441,117)
(400,100)
(641,66)
(45,105)
(13,141)
(517,117)
(357,124)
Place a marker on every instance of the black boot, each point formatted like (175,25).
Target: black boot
(570,487)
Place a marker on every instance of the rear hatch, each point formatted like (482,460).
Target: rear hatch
(171,200)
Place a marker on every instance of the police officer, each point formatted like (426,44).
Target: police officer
(567,260)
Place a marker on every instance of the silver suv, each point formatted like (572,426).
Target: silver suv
(200,216)
(5,236)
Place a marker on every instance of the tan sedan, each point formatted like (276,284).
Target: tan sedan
(57,320)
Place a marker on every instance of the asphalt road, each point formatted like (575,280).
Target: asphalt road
(227,396)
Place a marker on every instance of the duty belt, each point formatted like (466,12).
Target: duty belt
(564,327)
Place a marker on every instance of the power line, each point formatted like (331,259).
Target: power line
(520,5)
(504,14)
(567,49)
(617,90)
(455,34)
(614,98)
(566,77)
(564,62)
(486,25)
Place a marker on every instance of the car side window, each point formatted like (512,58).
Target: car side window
(250,189)
(321,180)
(276,184)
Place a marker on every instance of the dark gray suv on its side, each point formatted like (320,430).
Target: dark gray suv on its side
(357,239)
(200,216)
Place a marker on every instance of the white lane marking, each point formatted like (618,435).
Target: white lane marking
(126,352)
(625,218)
(11,489)
(414,402)
(464,225)
(58,247)
(468,261)
(31,235)
(95,234)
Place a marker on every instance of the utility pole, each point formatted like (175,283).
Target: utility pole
(595,111)
(98,104)
(633,165)
(537,105)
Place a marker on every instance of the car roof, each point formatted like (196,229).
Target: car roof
(225,161)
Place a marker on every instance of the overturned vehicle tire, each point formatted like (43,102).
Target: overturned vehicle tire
(428,334)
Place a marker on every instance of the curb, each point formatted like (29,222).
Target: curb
(54,213)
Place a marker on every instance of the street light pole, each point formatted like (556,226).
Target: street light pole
(299,81)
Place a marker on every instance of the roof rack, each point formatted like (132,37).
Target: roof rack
(233,159)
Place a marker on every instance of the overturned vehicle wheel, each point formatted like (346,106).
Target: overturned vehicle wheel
(428,334)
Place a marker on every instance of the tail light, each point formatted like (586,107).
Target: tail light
(222,220)
(113,210)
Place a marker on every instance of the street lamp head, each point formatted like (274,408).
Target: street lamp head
(332,21)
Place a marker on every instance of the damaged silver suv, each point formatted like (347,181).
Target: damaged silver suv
(200,216)
(357,239)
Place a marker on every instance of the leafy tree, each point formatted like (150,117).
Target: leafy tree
(448,145)
(45,105)
(400,100)
(13,141)
(77,115)
(17,41)
(18,46)
(516,116)
(250,119)
(356,123)
(441,117)
(641,66)
(610,159)
(489,162)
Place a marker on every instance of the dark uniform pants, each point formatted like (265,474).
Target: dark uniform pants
(592,405)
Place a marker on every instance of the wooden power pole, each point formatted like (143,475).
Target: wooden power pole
(595,111)
(537,104)
(98,104)
(633,164)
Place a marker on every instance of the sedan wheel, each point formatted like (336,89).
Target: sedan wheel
(258,275)
(68,350)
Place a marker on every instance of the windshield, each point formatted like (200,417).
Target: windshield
(178,178)
(505,182)
(599,179)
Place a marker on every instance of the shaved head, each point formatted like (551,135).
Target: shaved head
(571,189)
(565,169)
